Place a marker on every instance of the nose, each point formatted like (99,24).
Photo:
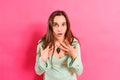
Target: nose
(59,28)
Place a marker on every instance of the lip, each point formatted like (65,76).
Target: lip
(59,34)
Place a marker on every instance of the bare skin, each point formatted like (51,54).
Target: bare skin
(59,30)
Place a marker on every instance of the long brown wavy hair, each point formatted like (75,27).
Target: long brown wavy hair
(49,38)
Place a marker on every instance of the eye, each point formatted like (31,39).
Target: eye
(64,24)
(55,24)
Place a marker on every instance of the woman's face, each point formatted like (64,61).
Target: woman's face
(59,27)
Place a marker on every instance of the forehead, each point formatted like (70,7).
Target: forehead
(59,19)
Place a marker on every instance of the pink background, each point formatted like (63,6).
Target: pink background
(96,23)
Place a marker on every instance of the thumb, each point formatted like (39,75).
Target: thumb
(47,48)
(41,48)
(50,51)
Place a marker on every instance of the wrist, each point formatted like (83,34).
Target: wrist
(74,57)
(44,59)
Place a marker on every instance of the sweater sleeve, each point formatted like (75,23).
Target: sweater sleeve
(40,66)
(76,66)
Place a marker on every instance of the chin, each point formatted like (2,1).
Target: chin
(59,38)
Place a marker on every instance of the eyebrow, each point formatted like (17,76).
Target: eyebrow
(62,22)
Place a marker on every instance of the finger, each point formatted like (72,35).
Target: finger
(47,48)
(50,51)
(67,43)
(64,45)
(64,49)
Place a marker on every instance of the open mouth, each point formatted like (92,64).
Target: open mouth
(59,34)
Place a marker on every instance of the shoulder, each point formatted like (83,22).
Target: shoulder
(40,42)
(75,42)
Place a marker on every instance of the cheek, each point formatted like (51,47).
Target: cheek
(65,29)
(54,31)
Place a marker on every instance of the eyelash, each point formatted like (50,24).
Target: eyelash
(63,24)
(55,24)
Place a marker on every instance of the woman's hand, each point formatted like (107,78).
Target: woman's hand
(69,49)
(45,53)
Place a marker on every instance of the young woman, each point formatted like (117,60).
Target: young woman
(58,52)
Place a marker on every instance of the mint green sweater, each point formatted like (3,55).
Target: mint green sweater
(59,69)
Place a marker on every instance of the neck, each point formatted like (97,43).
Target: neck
(60,40)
